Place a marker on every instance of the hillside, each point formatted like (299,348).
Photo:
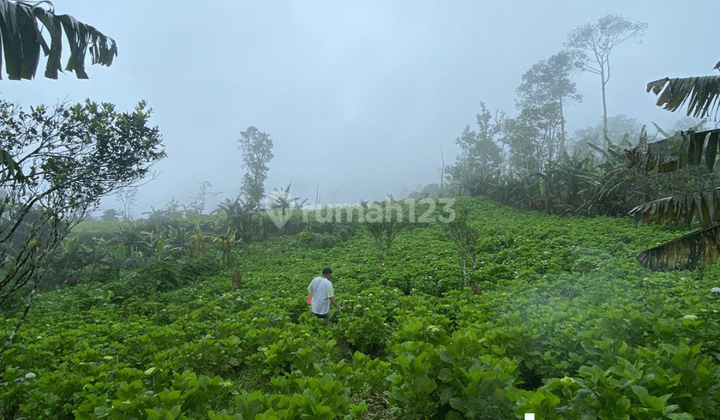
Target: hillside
(560,321)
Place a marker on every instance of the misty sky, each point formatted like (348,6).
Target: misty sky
(358,95)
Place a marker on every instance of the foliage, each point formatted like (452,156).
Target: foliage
(683,150)
(280,205)
(427,191)
(22,40)
(109,215)
(465,238)
(383,223)
(571,328)
(534,138)
(197,206)
(256,150)
(548,82)
(127,197)
(676,152)
(618,127)
(481,156)
(702,205)
(685,253)
(69,157)
(239,217)
(281,199)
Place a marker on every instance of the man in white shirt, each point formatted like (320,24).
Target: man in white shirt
(323,295)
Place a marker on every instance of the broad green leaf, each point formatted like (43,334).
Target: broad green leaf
(680,416)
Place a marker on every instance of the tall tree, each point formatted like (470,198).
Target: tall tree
(548,82)
(533,137)
(489,128)
(480,155)
(256,150)
(595,42)
(22,40)
(127,197)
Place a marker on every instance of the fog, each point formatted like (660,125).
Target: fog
(359,98)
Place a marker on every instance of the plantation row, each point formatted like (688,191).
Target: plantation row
(560,321)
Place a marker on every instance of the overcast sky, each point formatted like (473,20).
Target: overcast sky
(360,96)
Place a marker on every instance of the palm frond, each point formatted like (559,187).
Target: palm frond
(702,94)
(684,253)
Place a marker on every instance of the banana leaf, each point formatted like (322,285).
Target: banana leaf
(684,253)
(682,149)
(661,131)
(683,207)
(22,41)
(696,142)
(701,93)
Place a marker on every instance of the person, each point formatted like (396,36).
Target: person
(323,295)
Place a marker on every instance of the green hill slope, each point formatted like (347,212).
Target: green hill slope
(560,321)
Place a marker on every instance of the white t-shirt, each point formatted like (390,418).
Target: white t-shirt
(322,290)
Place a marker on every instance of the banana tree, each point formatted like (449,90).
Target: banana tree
(682,150)
(225,244)
(239,217)
(281,200)
(702,95)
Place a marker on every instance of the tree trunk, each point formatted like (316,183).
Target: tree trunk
(442,174)
(605,118)
(562,128)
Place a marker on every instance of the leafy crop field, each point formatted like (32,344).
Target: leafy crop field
(561,321)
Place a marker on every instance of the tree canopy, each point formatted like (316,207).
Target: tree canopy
(256,150)
(65,159)
(480,155)
(548,82)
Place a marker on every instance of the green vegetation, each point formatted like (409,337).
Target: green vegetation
(62,161)
(494,313)
(560,320)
